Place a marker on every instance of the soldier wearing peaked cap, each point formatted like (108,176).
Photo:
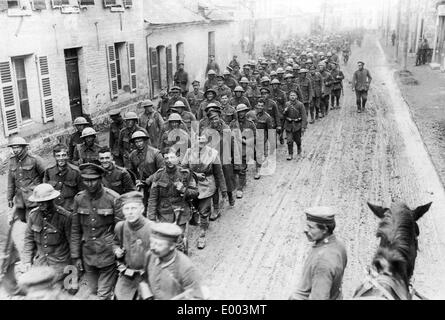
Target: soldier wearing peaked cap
(92,232)
(181,79)
(25,172)
(169,272)
(195,97)
(131,244)
(117,124)
(221,88)
(324,267)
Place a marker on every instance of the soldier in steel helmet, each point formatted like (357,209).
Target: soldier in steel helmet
(88,151)
(145,161)
(25,172)
(79,123)
(152,121)
(48,232)
(125,146)
(187,117)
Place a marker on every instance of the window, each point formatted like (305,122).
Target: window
(22,88)
(86,2)
(211,43)
(118,67)
(162,60)
(179,53)
(13,4)
(60,3)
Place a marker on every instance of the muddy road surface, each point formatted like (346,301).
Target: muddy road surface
(256,250)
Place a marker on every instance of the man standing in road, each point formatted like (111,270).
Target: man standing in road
(79,123)
(131,244)
(152,121)
(88,151)
(195,97)
(125,144)
(294,122)
(115,178)
(212,65)
(25,172)
(324,267)
(360,84)
(92,232)
(116,126)
(337,85)
(181,79)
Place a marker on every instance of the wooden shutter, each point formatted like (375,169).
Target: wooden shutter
(39,4)
(112,70)
(45,89)
(169,65)
(8,99)
(132,65)
(3,5)
(128,3)
(154,68)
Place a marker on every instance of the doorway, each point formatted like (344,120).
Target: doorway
(72,75)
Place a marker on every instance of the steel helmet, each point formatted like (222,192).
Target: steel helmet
(273,61)
(273,73)
(147,103)
(79,121)
(88,132)
(179,104)
(175,88)
(174,117)
(213,106)
(241,107)
(304,70)
(265,79)
(18,141)
(211,71)
(138,134)
(244,80)
(275,81)
(296,66)
(43,192)
(238,89)
(289,69)
(280,70)
(329,54)
(131,116)
(288,75)
(226,72)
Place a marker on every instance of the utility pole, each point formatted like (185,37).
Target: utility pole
(399,13)
(406,38)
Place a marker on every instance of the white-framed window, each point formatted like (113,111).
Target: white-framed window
(121,60)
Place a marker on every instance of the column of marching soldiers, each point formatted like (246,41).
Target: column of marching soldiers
(118,212)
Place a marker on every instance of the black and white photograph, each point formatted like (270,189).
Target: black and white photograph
(222,150)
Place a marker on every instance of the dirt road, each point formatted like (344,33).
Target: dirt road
(257,249)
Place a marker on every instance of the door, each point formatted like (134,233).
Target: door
(72,75)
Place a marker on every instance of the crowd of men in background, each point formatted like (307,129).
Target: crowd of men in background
(121,212)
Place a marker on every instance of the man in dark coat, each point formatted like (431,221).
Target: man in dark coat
(324,267)
(294,122)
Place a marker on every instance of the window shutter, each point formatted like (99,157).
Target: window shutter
(45,90)
(39,4)
(128,3)
(132,65)
(8,100)
(3,5)
(154,68)
(112,70)
(169,65)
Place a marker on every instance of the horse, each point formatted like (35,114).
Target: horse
(393,264)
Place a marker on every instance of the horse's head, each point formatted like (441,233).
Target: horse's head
(398,232)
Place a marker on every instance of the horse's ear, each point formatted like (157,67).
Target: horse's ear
(378,211)
(420,211)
